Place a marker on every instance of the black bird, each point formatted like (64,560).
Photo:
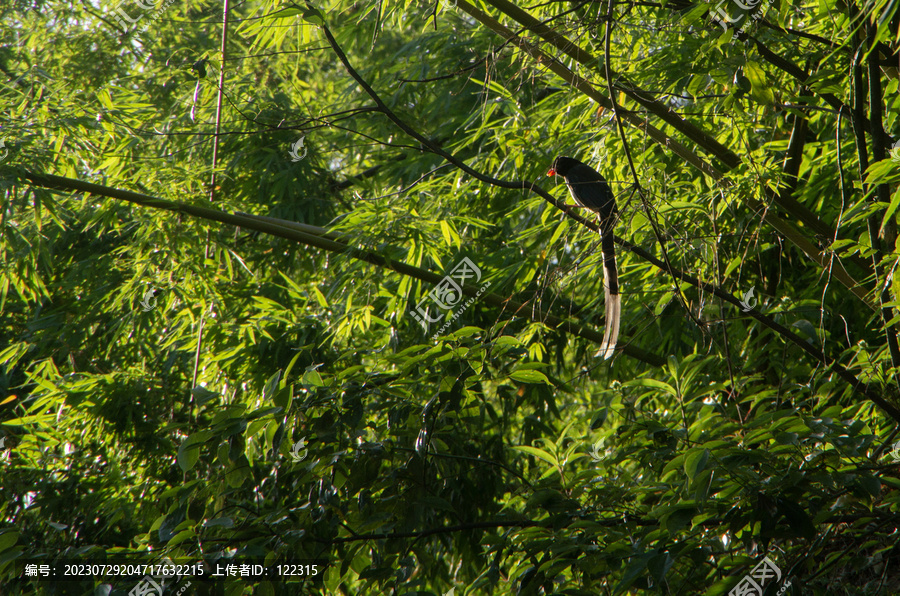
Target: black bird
(590,190)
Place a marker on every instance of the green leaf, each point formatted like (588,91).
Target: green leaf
(188,455)
(219,522)
(202,395)
(529,376)
(539,453)
(806,328)
(647,382)
(695,462)
(181,537)
(271,386)
(892,208)
(313,15)
(8,539)
(885,171)
(870,484)
(760,89)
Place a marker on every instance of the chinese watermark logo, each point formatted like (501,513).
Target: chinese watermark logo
(753,583)
(146,5)
(148,302)
(724,19)
(895,452)
(148,585)
(596,454)
(895,154)
(295,148)
(296,454)
(449,293)
(749,301)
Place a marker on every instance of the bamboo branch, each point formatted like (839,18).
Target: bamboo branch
(665,113)
(836,269)
(586,88)
(322,238)
(789,231)
(310,238)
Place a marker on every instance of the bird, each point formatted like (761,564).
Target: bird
(590,190)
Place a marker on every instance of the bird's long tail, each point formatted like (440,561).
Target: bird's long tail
(611,295)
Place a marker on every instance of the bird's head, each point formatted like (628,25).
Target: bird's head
(562,165)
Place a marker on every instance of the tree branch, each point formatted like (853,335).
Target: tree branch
(313,236)
(833,266)
(665,113)
(321,238)
(836,269)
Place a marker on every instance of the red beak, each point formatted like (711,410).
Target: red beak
(551,172)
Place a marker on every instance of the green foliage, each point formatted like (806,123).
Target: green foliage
(172,386)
